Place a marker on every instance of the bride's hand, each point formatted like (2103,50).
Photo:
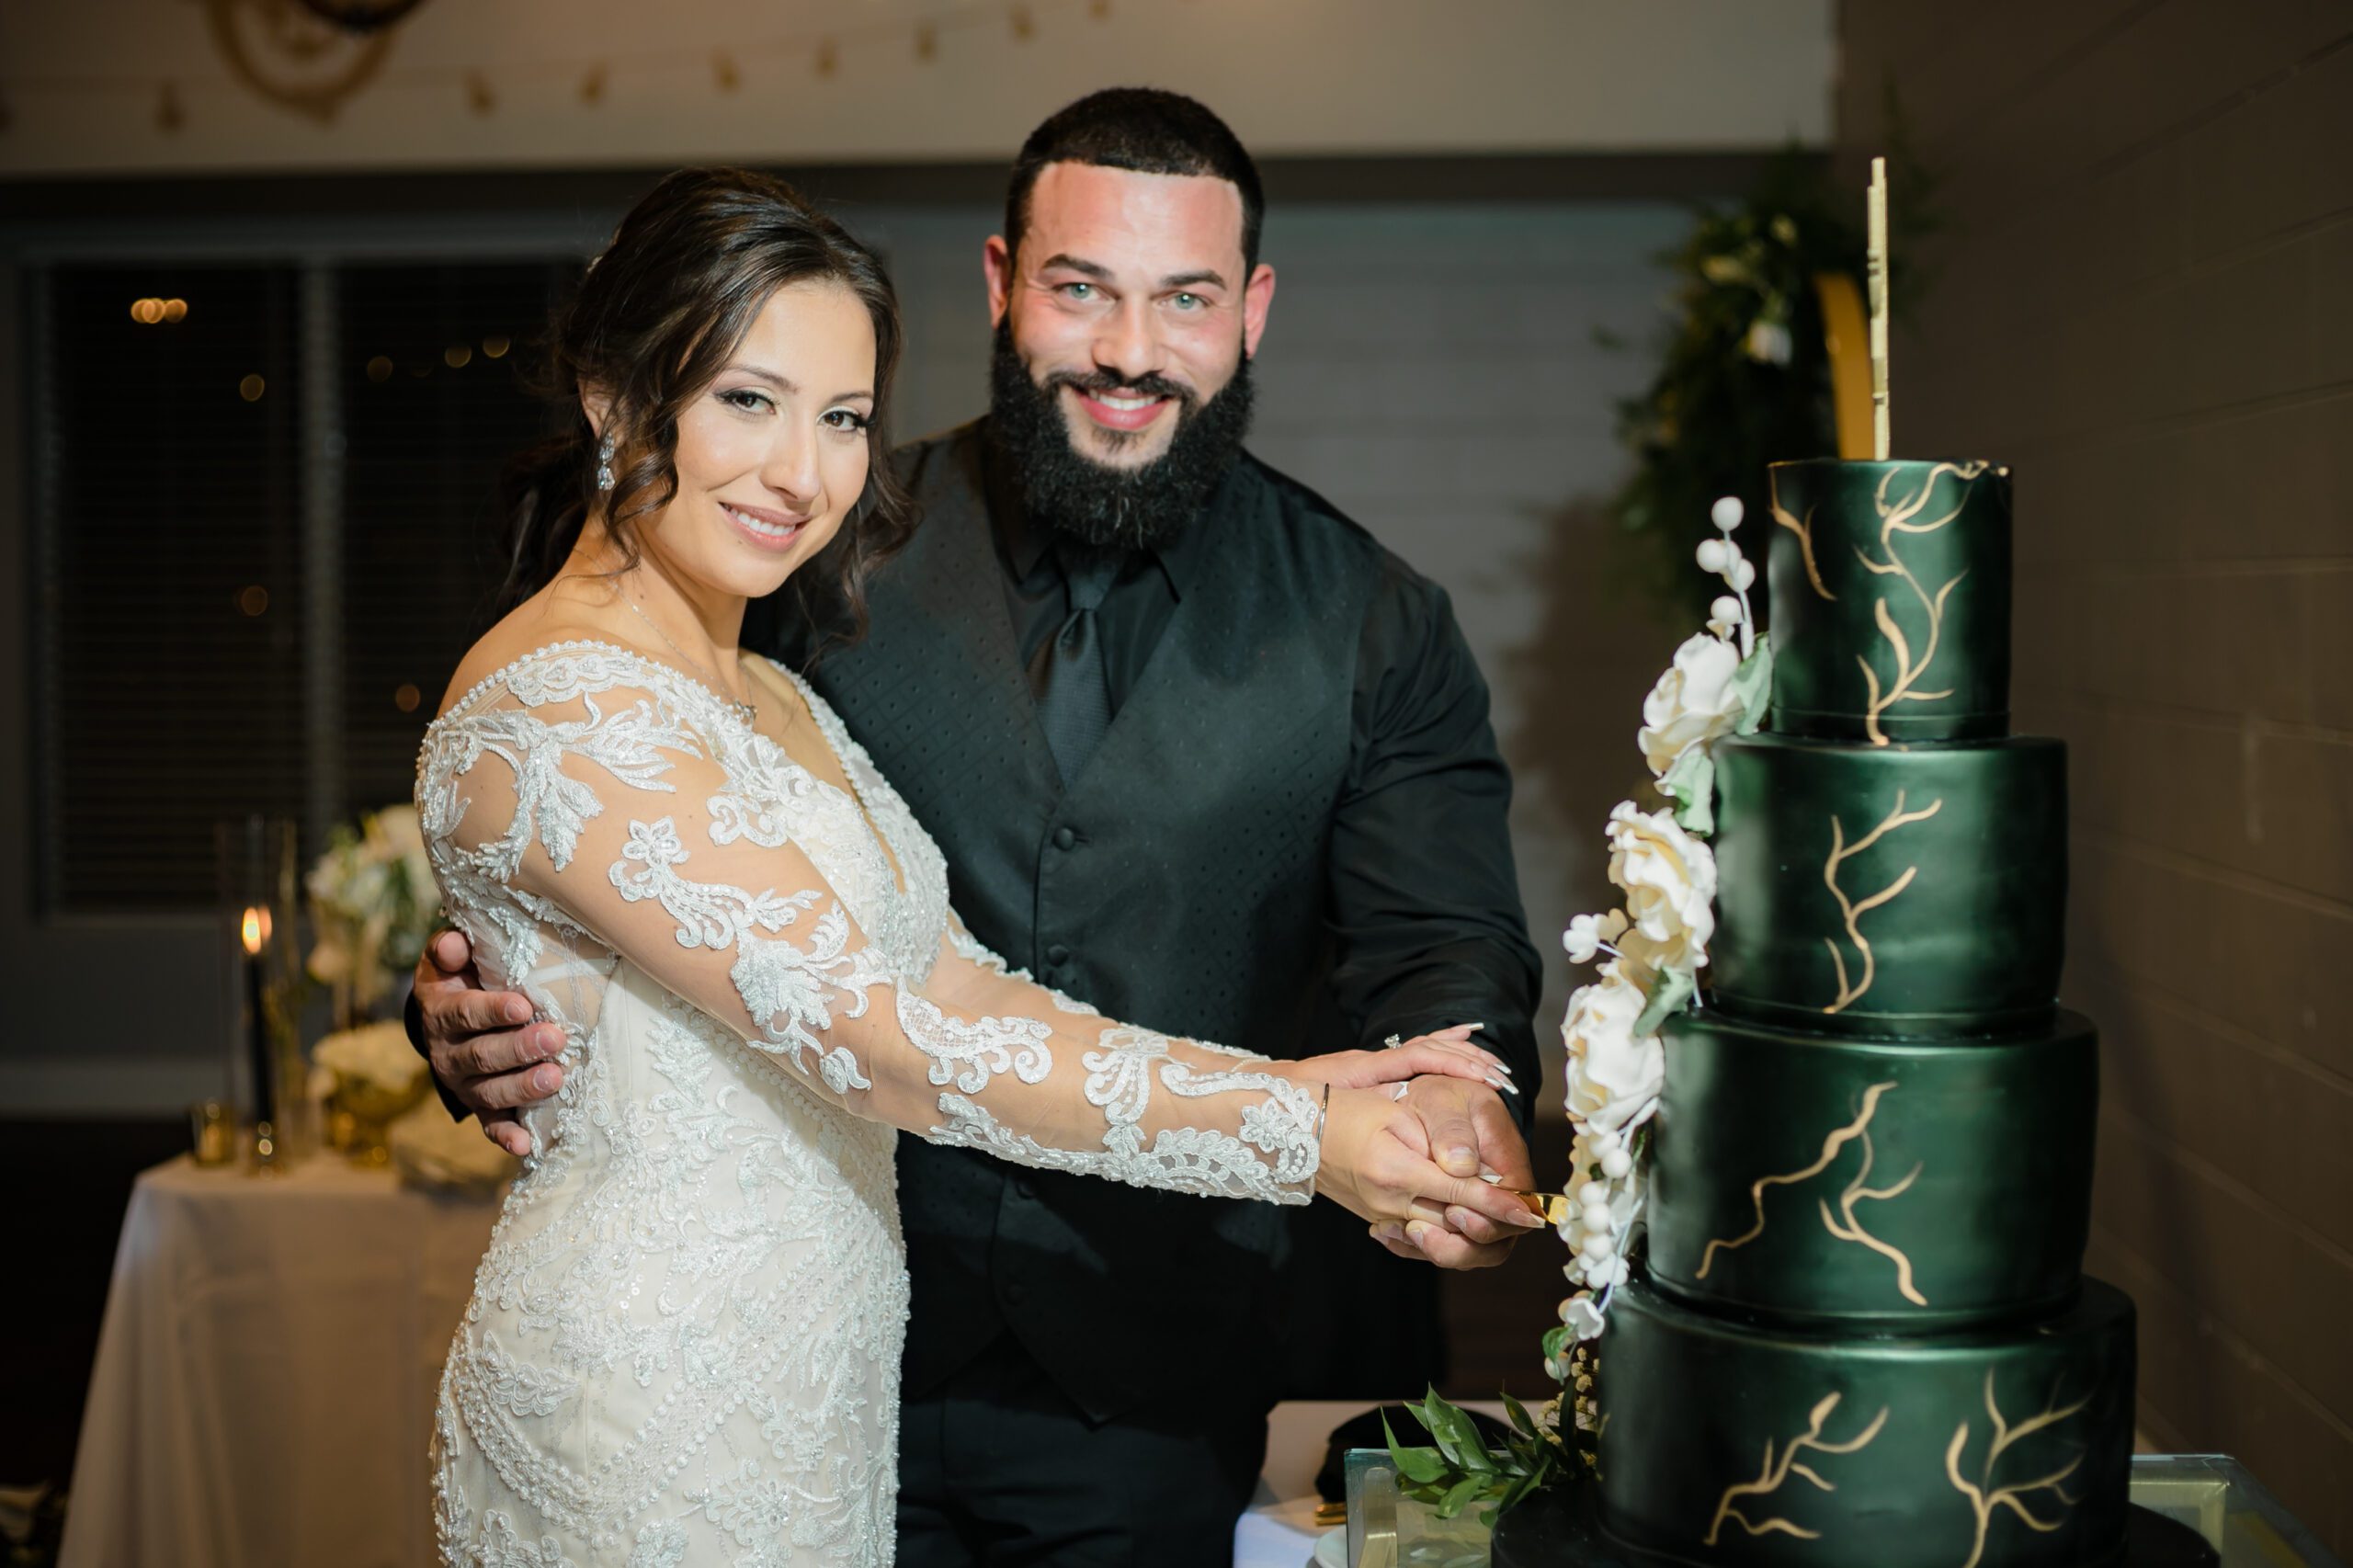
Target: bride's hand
(1448,1051)
(1376,1164)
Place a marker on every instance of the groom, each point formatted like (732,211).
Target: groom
(1200,752)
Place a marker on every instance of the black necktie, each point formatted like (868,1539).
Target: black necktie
(1067,675)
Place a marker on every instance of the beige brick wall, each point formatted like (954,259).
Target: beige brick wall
(2145,305)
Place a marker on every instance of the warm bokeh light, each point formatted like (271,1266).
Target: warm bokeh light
(405,696)
(250,389)
(456,356)
(176,310)
(380,369)
(254,929)
(254,599)
(496,348)
(147,313)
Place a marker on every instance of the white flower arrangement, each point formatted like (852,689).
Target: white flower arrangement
(1652,949)
(375,1057)
(373,901)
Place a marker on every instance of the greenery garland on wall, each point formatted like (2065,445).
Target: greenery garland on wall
(1745,378)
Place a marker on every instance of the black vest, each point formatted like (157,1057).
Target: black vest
(1179,883)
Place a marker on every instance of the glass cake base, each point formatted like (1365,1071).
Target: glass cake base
(2188,1509)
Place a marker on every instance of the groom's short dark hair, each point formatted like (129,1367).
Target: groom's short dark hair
(1149,131)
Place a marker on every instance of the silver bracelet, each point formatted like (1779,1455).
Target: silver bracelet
(1322,1112)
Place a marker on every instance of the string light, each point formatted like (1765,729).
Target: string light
(496,348)
(176,310)
(380,369)
(1025,25)
(1099,9)
(479,98)
(251,388)
(829,59)
(456,356)
(405,696)
(926,42)
(254,601)
(592,86)
(723,72)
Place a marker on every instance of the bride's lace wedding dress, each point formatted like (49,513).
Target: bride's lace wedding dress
(683,1346)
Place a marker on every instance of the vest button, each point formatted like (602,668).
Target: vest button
(1058,954)
(1065,839)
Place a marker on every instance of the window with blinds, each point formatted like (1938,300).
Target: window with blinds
(168,525)
(263,503)
(432,406)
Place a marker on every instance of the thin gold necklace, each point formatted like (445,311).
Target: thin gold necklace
(745,710)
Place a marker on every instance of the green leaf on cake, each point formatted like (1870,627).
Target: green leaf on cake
(1692,783)
(1753,685)
(1458,1435)
(1460,1495)
(1674,987)
(1424,1465)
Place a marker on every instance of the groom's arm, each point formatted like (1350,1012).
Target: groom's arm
(1424,899)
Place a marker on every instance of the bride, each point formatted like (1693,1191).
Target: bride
(684,1341)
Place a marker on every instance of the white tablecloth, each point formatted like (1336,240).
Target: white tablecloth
(264,1379)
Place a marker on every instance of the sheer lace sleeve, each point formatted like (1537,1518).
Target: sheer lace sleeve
(677,841)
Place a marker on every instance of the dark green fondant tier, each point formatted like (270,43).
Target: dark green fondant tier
(1901,1187)
(1891,595)
(1903,890)
(1727,1444)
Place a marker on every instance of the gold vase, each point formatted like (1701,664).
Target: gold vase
(360,1113)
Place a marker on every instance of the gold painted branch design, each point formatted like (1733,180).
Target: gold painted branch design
(1984,1497)
(1804,530)
(1775,1472)
(1843,1224)
(1850,990)
(1903,516)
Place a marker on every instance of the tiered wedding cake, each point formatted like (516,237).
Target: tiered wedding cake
(1862,1339)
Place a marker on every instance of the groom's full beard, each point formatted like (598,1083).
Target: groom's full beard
(1069,492)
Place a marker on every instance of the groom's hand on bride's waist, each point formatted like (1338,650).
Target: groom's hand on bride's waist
(1470,1132)
(487,1054)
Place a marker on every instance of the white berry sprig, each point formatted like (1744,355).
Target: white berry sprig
(1722,556)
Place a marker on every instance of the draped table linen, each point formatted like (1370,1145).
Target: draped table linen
(264,1388)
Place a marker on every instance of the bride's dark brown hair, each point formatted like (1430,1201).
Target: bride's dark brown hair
(655,320)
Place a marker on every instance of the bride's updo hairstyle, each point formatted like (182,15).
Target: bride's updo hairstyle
(655,320)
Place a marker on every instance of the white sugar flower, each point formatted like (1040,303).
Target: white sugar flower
(1582,1316)
(1587,934)
(1693,703)
(1669,879)
(1613,1078)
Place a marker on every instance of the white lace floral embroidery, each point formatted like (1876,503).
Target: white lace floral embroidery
(684,1341)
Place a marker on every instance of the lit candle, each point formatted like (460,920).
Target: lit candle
(252,932)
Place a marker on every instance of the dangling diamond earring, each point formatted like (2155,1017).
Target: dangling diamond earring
(604,463)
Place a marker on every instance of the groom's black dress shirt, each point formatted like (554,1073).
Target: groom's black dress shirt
(1291,838)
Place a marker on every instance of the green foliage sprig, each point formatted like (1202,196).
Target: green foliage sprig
(1745,379)
(1458,1471)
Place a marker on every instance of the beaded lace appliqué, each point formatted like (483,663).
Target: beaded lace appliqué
(684,1341)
